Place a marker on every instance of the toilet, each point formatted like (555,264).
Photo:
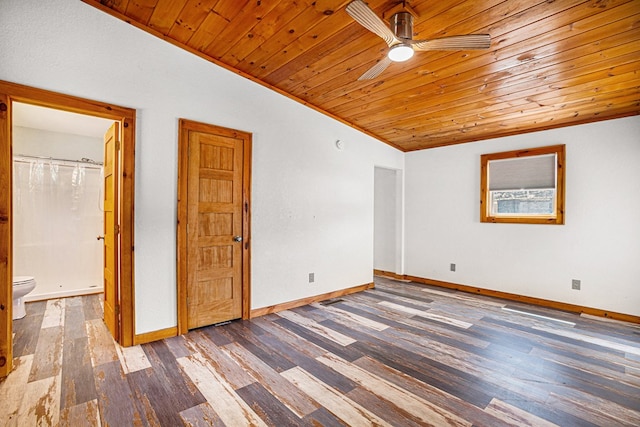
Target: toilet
(22,285)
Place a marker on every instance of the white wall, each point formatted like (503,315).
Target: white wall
(599,243)
(38,142)
(312,204)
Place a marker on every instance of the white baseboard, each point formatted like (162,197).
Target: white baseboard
(63,294)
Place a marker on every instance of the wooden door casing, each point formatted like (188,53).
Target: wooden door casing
(13,92)
(6,220)
(213,227)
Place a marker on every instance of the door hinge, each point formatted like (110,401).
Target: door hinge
(117,145)
(117,229)
(117,308)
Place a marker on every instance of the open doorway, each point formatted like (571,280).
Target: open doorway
(388,222)
(58,201)
(124,143)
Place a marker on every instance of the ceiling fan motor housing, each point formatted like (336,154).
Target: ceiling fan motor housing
(401,24)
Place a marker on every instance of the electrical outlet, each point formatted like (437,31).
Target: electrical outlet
(452,267)
(312,277)
(575,284)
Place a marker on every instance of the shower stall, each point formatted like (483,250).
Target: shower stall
(57,206)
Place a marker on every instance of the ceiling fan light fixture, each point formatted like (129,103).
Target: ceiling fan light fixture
(400,53)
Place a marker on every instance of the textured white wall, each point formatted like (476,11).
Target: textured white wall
(599,243)
(312,204)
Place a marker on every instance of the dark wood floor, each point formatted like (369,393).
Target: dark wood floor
(400,355)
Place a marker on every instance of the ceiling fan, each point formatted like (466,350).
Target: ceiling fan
(399,36)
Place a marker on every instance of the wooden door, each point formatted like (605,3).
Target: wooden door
(214,261)
(111,230)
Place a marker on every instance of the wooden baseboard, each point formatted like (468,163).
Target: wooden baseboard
(155,335)
(529,300)
(173,331)
(388,274)
(305,301)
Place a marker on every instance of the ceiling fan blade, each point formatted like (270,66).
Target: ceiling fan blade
(364,16)
(468,42)
(376,70)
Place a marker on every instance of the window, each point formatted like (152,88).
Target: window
(523,186)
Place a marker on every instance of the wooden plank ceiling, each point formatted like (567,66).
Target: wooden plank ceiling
(550,64)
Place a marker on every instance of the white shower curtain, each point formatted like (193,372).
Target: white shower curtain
(57,217)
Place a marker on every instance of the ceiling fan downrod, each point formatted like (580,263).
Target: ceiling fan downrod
(401,24)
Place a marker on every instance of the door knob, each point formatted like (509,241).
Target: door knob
(237,238)
(100,238)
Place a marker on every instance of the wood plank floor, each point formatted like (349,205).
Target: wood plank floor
(399,355)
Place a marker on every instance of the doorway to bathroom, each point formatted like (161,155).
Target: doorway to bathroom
(120,183)
(58,201)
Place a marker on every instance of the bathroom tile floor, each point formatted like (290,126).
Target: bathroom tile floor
(401,354)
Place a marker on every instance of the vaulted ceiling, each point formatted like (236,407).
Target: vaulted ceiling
(550,63)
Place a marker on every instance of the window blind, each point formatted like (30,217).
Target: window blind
(531,173)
